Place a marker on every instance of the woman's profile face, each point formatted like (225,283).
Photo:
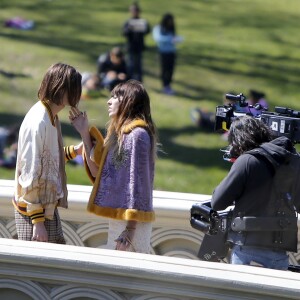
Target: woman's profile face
(113,106)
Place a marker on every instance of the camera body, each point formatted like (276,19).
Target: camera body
(283,122)
(215,226)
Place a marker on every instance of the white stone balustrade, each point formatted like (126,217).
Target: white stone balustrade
(40,271)
(30,270)
(172,234)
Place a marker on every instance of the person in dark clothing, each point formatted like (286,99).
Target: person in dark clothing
(248,186)
(134,30)
(112,68)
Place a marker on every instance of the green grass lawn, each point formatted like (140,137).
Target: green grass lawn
(228,45)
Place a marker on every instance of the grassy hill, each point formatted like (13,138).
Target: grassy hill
(228,45)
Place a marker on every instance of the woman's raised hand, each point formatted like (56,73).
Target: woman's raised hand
(79,120)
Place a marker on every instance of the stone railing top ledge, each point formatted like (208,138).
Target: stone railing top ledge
(86,190)
(71,263)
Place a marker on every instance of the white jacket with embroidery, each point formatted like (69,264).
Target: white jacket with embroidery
(40,179)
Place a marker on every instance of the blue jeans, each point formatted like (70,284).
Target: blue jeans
(272,259)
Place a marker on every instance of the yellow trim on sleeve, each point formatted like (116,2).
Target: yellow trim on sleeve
(35,215)
(38,219)
(69,152)
(19,207)
(100,152)
(35,212)
(72,152)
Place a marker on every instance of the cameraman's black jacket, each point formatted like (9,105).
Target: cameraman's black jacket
(248,186)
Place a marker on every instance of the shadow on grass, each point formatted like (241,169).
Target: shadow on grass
(187,90)
(270,68)
(210,95)
(91,49)
(197,156)
(13,75)
(274,69)
(68,25)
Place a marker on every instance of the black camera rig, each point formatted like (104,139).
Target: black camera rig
(283,122)
(215,226)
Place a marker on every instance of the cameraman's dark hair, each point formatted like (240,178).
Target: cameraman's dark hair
(247,133)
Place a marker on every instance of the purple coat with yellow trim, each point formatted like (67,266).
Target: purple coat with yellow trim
(123,187)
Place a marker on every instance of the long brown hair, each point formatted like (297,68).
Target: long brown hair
(134,104)
(59,80)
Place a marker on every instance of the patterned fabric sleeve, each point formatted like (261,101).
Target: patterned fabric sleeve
(141,171)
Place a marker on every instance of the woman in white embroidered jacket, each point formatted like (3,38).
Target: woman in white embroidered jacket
(122,167)
(40,179)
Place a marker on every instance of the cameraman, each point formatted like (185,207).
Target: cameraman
(248,186)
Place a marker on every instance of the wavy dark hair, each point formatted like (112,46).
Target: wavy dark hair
(167,24)
(61,79)
(247,133)
(134,104)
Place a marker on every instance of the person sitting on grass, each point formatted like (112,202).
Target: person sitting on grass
(112,68)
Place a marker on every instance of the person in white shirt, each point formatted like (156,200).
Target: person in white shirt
(40,178)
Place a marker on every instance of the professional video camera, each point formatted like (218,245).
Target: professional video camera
(283,122)
(215,227)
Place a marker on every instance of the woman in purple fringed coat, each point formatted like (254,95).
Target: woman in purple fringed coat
(121,166)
